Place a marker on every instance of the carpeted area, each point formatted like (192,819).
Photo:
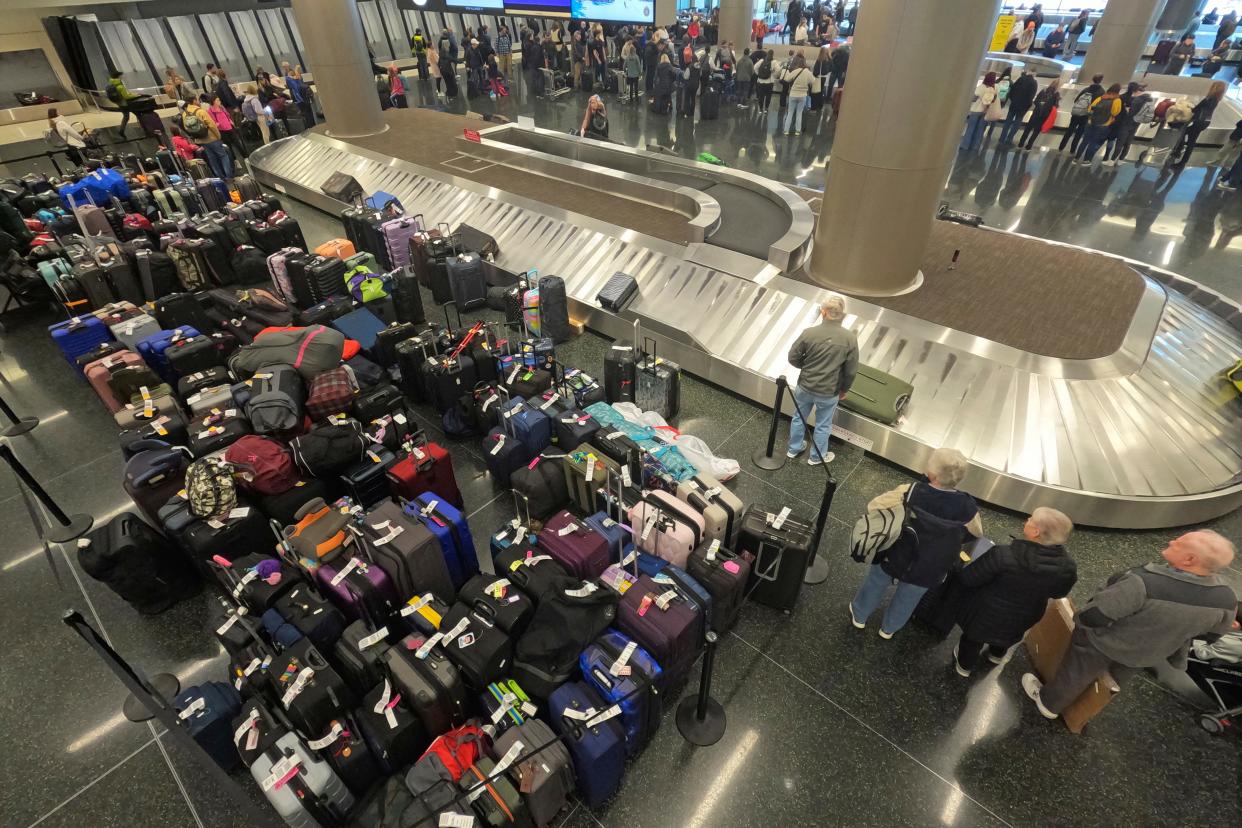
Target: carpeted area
(430,138)
(1041,298)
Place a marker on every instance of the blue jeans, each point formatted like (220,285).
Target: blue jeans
(900,608)
(1012,123)
(218,159)
(1096,136)
(974,131)
(796,106)
(825,407)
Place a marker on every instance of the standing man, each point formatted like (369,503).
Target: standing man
(745,75)
(1143,617)
(504,50)
(1075,30)
(826,356)
(201,128)
(418,47)
(209,81)
(1021,96)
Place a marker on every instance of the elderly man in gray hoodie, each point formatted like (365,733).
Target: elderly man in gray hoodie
(827,358)
(1144,617)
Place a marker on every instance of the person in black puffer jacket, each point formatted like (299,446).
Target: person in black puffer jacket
(1006,590)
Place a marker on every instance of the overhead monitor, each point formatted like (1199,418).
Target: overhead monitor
(497,6)
(539,8)
(615,11)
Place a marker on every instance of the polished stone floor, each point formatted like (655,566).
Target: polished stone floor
(827,725)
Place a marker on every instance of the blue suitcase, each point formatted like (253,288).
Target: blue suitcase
(451,532)
(362,326)
(208,711)
(598,752)
(611,530)
(504,454)
(79,335)
(640,712)
(154,349)
(529,425)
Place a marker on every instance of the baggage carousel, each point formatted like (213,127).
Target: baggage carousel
(1147,435)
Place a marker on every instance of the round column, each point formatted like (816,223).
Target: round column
(1177,13)
(899,128)
(337,52)
(735,17)
(1118,42)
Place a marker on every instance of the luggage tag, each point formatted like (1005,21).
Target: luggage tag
(498,589)
(579,715)
(193,708)
(645,604)
(583,591)
(665,599)
(332,736)
(282,772)
(456,820)
(373,639)
(246,579)
(590,467)
(353,564)
(414,606)
(375,458)
(648,524)
(386,703)
(511,755)
(567,529)
(426,647)
(550,402)
(779,521)
(513,375)
(232,619)
(713,549)
(626,480)
(490,401)
(610,713)
(457,630)
(298,685)
(621,667)
(731,567)
(392,532)
(246,726)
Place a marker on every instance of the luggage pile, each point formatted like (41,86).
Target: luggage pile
(377,675)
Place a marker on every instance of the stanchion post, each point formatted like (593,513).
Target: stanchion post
(767,459)
(817,567)
(702,719)
(20,425)
(70,526)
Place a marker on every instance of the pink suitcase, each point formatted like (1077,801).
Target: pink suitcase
(666,527)
(98,372)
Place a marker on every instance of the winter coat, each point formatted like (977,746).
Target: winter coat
(1007,590)
(1022,93)
(944,519)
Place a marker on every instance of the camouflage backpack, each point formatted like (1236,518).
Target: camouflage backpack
(209,488)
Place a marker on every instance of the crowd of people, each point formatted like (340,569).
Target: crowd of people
(1141,618)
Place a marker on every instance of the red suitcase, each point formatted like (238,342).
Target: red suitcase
(427,468)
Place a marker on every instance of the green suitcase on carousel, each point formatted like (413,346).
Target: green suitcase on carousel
(878,395)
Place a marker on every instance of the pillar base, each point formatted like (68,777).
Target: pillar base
(861,292)
(343,135)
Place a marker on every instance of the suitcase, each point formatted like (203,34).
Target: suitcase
(494,597)
(397,234)
(666,527)
(277,268)
(524,565)
(269,238)
(617,292)
(656,615)
(99,372)
(340,248)
(367,481)
(283,507)
(216,431)
(313,796)
(380,402)
(476,241)
(311,693)
(387,340)
(724,575)
(326,311)
(582,492)
(362,227)
(170,427)
(427,468)
(721,508)
(429,683)
(407,297)
(277,393)
(138,564)
(474,641)
(152,476)
(331,392)
(620,369)
(135,329)
(192,354)
(657,384)
(347,753)
(358,656)
(572,428)
(466,281)
(575,546)
(290,231)
(449,526)
(601,664)
(201,403)
(393,733)
(79,336)
(1047,643)
(408,551)
(193,383)
(542,487)
(878,395)
(597,751)
(361,326)
(256,730)
(530,427)
(181,310)
(547,780)
(499,803)
(363,591)
(146,412)
(504,454)
(779,556)
(709,104)
(207,711)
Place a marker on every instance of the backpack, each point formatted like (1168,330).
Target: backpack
(262,464)
(457,749)
(329,448)
(765,70)
(194,125)
(209,487)
(879,529)
(113,93)
(1147,113)
(1082,103)
(1102,112)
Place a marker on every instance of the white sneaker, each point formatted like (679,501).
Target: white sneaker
(814,460)
(793,454)
(957,665)
(1003,659)
(862,625)
(1032,685)
(887,636)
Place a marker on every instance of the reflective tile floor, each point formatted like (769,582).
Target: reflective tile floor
(827,725)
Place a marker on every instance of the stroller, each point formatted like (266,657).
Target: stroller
(1217,670)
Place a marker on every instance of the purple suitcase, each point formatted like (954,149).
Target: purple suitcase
(672,634)
(574,545)
(397,234)
(364,592)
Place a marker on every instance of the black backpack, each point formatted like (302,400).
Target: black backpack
(249,265)
(137,563)
(1102,112)
(330,448)
(765,69)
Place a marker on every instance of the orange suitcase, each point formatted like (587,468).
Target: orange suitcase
(336,248)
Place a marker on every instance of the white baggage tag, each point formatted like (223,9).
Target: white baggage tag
(251,667)
(410,609)
(195,706)
(509,758)
(230,412)
(237,683)
(667,598)
(422,651)
(551,401)
(252,739)
(282,772)
(245,726)
(333,735)
(298,685)
(590,468)
(454,820)
(625,476)
(353,564)
(456,631)
(615,434)
(531,561)
(567,529)
(630,558)
(227,625)
(497,588)
(384,698)
(529,709)
(373,638)
(375,458)
(582,592)
(519,534)
(247,578)
(392,533)
(500,712)
(499,444)
(713,549)
(513,375)
(780,519)
(608,523)
(579,715)
(399,418)
(610,713)
(647,526)
(239,512)
(623,659)
(129,329)
(712,492)
(623,347)
(430,507)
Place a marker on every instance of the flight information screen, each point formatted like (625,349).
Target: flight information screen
(539,8)
(615,11)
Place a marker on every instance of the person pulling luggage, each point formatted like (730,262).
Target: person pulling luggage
(826,357)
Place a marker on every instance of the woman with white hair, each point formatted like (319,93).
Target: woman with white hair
(943,518)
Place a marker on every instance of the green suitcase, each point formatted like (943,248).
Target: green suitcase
(878,395)
(582,492)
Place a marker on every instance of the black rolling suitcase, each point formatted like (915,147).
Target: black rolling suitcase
(439,249)
(407,297)
(620,371)
(311,693)
(348,754)
(395,735)
(553,309)
(466,281)
(138,564)
(429,683)
(657,385)
(476,241)
(266,237)
(709,106)
(781,554)
(358,656)
(617,292)
(362,227)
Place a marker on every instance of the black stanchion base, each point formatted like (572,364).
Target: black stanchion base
(702,732)
(817,572)
(766,463)
(165,685)
(23,426)
(78,526)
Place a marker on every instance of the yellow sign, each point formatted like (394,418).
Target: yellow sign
(1000,35)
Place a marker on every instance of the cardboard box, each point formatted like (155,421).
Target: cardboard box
(1046,643)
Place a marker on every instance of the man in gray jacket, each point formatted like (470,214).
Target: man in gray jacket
(827,358)
(1144,617)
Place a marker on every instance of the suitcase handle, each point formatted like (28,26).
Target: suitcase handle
(518,512)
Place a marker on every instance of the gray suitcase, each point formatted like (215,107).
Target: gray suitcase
(218,397)
(315,796)
(551,772)
(617,292)
(408,551)
(135,329)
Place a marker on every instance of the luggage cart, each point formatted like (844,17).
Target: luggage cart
(550,90)
(1160,149)
(1221,680)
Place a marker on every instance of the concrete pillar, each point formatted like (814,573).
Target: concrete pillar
(900,126)
(735,17)
(1177,13)
(1119,40)
(337,53)
(665,12)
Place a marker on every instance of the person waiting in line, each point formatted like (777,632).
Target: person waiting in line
(765,78)
(691,79)
(595,120)
(826,356)
(1143,618)
(694,31)
(1048,99)
(783,88)
(209,80)
(916,562)
(1121,131)
(1215,61)
(175,86)
(597,52)
(485,41)
(665,80)
(1003,83)
(1021,39)
(182,145)
(705,69)
(1074,31)
(1200,119)
(840,63)
(633,68)
(120,95)
(224,90)
(1035,17)
(1181,53)
(476,72)
(1228,25)
(1005,591)
(1078,114)
(418,50)
(687,55)
(396,88)
(1104,111)
(745,74)
(224,122)
(651,59)
(256,116)
(578,58)
(504,50)
(448,46)
(63,135)
(1053,41)
(1228,150)
(433,68)
(1021,96)
(299,91)
(985,94)
(201,128)
(724,60)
